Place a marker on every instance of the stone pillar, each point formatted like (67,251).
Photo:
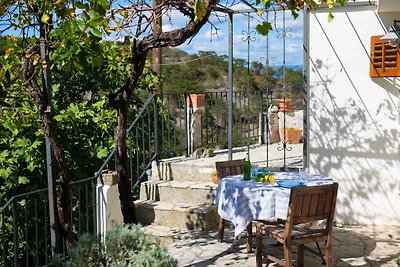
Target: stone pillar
(196,105)
(273,135)
(107,203)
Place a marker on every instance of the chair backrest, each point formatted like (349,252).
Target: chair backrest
(230,167)
(312,203)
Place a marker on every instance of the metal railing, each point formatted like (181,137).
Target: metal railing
(248,110)
(164,127)
(25,224)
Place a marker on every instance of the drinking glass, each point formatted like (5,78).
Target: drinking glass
(254,171)
(303,175)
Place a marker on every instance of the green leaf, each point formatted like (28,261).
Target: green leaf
(23,180)
(295,15)
(312,4)
(31,166)
(21,142)
(78,65)
(45,18)
(80,5)
(330,16)
(85,16)
(97,33)
(199,10)
(264,28)
(36,144)
(123,13)
(5,173)
(102,153)
(104,4)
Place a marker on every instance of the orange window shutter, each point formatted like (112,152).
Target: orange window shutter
(385,59)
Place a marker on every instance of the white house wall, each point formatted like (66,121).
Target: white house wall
(354,127)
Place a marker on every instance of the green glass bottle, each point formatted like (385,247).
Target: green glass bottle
(247,167)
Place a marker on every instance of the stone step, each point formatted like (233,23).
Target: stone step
(200,169)
(179,191)
(181,216)
(183,169)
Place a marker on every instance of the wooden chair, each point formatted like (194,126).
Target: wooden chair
(227,168)
(230,167)
(307,204)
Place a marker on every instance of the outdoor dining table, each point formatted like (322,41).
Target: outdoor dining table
(242,202)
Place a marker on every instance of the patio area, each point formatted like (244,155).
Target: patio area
(352,246)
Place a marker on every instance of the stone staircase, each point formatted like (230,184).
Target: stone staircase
(180,194)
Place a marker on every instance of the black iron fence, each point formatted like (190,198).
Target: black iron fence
(25,224)
(177,124)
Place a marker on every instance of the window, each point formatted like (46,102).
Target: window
(384,58)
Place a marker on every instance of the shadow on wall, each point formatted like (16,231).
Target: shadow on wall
(358,146)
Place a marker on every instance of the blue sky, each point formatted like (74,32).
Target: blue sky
(207,39)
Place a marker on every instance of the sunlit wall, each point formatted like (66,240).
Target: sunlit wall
(354,126)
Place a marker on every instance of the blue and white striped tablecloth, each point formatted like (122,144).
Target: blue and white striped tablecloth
(242,201)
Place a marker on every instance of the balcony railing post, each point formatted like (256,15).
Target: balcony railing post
(50,183)
(15,233)
(261,124)
(230,86)
(187,124)
(156,148)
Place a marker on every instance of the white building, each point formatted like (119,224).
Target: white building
(354,120)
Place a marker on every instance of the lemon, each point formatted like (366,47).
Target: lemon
(271,179)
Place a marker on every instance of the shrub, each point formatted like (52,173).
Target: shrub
(123,246)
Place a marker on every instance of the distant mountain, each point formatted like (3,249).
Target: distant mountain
(207,71)
(293,67)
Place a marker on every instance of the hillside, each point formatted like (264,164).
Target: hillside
(207,71)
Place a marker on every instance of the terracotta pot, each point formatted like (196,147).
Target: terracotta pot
(292,135)
(215,178)
(285,105)
(196,100)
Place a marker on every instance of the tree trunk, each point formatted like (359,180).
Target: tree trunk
(121,150)
(157,52)
(64,207)
(46,116)
(124,185)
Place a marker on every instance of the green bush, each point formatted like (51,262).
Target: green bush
(123,246)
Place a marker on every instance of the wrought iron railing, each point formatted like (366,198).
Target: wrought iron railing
(25,224)
(164,128)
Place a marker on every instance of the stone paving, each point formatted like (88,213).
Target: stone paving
(353,246)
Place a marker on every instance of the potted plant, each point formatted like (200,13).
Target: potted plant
(196,100)
(214,177)
(285,105)
(291,135)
